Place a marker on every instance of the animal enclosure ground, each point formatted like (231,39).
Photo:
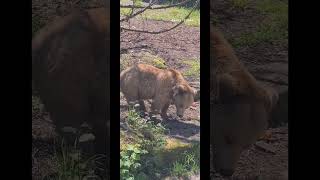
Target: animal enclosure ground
(263,51)
(258,30)
(178,49)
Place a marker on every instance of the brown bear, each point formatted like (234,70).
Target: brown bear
(239,106)
(141,82)
(70,69)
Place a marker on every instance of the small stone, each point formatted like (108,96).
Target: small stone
(147,118)
(153,117)
(136,106)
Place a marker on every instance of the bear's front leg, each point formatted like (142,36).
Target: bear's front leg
(164,111)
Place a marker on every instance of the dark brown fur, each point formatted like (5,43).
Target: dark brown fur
(240,106)
(70,69)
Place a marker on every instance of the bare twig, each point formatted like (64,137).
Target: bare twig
(151,3)
(164,30)
(159,7)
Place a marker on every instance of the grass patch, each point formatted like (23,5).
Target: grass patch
(179,159)
(125,11)
(125,1)
(126,60)
(193,68)
(273,29)
(159,63)
(143,157)
(136,148)
(188,163)
(71,165)
(174,14)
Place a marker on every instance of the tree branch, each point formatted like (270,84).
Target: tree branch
(151,3)
(165,30)
(159,7)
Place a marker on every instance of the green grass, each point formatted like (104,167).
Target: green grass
(188,163)
(273,29)
(125,11)
(175,14)
(193,68)
(159,63)
(136,149)
(136,2)
(144,158)
(125,1)
(71,165)
(126,60)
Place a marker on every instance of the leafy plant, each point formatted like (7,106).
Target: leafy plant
(130,161)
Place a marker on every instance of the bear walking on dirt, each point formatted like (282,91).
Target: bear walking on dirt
(142,81)
(70,69)
(239,106)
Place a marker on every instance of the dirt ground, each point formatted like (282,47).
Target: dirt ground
(269,64)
